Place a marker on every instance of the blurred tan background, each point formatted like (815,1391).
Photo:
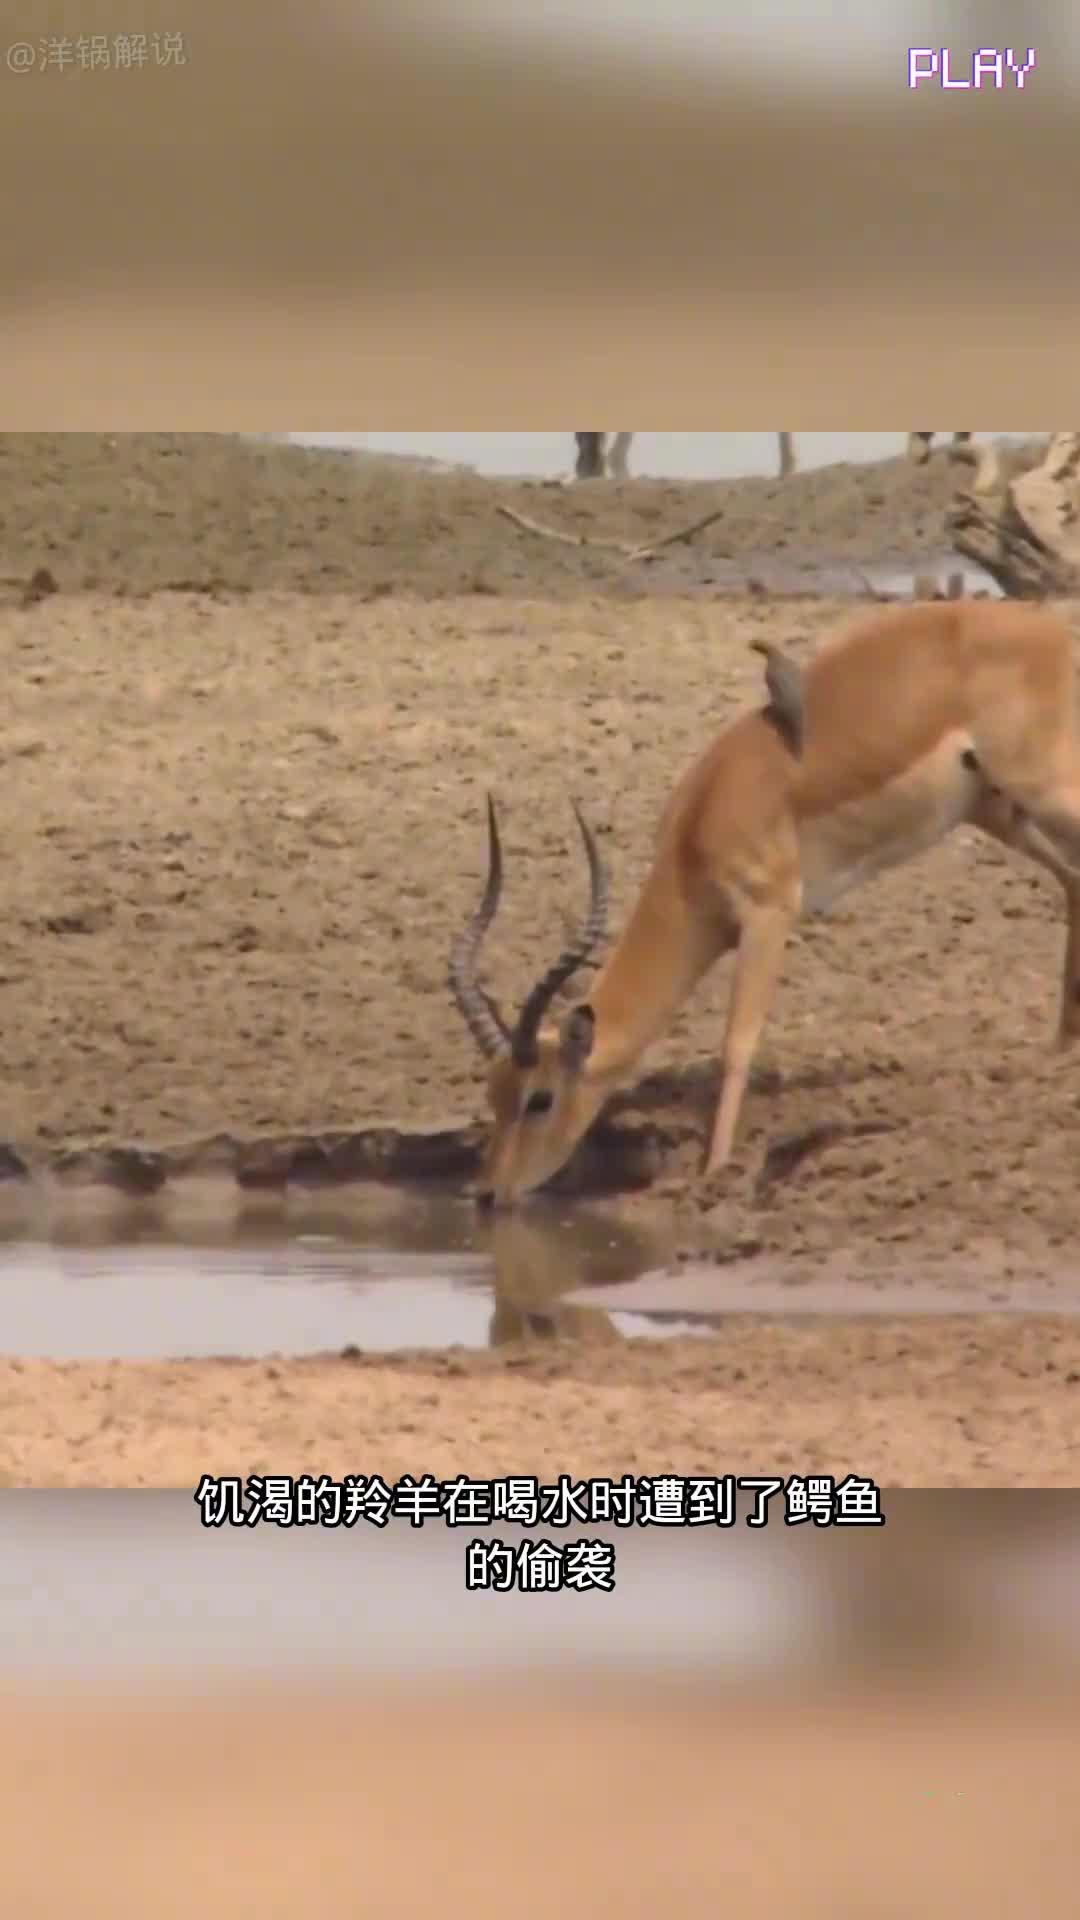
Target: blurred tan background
(785,1721)
(315,216)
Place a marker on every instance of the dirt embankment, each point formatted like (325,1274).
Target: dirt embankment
(139,513)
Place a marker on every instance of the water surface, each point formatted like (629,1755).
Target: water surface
(382,1273)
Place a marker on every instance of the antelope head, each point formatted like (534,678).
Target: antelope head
(539,1089)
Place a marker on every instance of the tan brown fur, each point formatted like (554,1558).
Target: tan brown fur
(914,720)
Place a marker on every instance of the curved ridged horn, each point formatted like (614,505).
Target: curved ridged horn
(523,1044)
(477,1008)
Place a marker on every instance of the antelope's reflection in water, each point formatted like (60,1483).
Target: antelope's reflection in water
(539,1258)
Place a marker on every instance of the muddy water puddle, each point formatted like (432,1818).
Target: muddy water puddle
(426,1273)
(383,1271)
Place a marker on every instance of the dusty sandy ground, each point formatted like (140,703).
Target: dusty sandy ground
(944,1402)
(224,1807)
(244,825)
(246,831)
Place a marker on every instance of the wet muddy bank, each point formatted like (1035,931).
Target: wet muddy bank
(333,1158)
(615,1161)
(822,1198)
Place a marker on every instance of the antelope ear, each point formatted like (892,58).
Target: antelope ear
(576,1036)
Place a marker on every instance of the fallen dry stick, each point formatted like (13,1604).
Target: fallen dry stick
(681,533)
(612,546)
(568,539)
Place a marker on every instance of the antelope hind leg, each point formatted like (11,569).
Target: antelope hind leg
(1009,824)
(758,960)
(1025,740)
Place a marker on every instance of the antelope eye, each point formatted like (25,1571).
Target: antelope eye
(539,1102)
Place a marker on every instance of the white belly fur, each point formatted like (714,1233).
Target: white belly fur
(843,850)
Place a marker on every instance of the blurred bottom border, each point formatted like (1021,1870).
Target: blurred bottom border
(869,1724)
(119,1587)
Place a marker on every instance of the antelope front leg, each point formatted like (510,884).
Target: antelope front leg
(757,968)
